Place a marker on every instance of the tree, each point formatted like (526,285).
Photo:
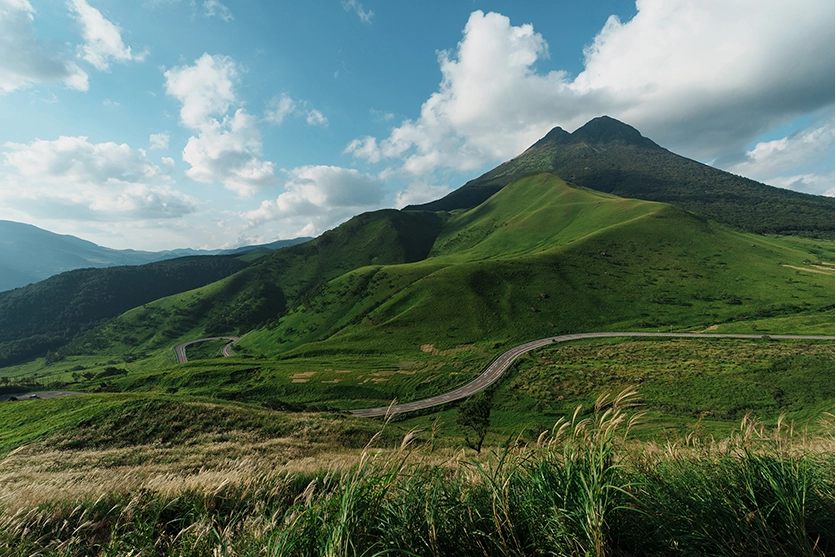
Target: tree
(475,414)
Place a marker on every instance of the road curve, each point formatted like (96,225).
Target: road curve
(504,361)
(180,349)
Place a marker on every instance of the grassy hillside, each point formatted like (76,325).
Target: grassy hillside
(541,257)
(47,315)
(609,156)
(583,487)
(407,305)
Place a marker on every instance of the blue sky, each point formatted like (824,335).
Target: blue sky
(161,124)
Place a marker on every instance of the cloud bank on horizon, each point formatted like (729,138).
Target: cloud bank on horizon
(218,144)
(701,80)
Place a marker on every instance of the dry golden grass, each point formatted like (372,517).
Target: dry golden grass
(37,474)
(238,491)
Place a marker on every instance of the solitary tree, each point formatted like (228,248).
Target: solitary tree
(475,414)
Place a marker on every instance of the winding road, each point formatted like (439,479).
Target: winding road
(180,349)
(499,366)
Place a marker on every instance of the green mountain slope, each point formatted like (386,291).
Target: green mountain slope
(541,257)
(264,291)
(609,156)
(408,304)
(46,315)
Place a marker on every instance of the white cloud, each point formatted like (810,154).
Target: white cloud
(206,89)
(702,78)
(356,7)
(229,152)
(317,198)
(278,108)
(213,8)
(102,181)
(712,75)
(159,140)
(282,106)
(419,192)
(365,148)
(24,60)
(102,39)
(316,118)
(777,162)
(225,150)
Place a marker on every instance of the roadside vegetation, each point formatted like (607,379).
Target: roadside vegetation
(584,487)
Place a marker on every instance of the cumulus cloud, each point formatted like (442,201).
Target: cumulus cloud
(102,39)
(809,151)
(317,198)
(701,78)
(97,181)
(206,89)
(229,152)
(227,147)
(282,106)
(213,8)
(419,192)
(26,61)
(278,108)
(475,118)
(356,7)
(159,140)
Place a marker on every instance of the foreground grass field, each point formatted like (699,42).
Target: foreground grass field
(732,454)
(583,488)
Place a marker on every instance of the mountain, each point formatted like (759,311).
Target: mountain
(29,254)
(412,303)
(49,314)
(45,316)
(612,157)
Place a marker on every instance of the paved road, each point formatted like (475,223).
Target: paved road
(504,361)
(180,349)
(36,395)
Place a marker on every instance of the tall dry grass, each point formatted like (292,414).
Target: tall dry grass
(585,488)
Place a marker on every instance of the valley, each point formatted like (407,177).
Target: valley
(550,310)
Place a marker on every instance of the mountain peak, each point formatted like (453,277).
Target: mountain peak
(556,135)
(609,130)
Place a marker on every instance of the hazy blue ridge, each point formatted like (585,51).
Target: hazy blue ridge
(29,254)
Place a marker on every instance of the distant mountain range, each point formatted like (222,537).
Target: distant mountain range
(29,254)
(612,157)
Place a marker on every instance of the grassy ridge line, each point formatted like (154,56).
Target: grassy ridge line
(101,421)
(608,278)
(265,290)
(494,372)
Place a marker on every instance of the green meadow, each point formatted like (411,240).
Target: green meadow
(256,454)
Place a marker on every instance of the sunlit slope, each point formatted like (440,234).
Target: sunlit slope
(542,257)
(269,287)
(536,213)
